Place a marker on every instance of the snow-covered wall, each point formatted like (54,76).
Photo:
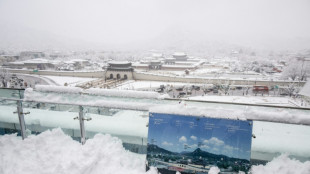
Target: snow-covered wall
(89,74)
(188,79)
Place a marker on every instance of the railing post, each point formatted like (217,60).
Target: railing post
(21,119)
(82,127)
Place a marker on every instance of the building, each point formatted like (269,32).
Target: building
(31,54)
(40,64)
(170,61)
(119,70)
(155,64)
(158,56)
(180,56)
(8,58)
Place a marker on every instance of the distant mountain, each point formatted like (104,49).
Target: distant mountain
(155,149)
(200,153)
(184,152)
(196,153)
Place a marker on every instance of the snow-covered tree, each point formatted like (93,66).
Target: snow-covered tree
(4,77)
(296,70)
(291,89)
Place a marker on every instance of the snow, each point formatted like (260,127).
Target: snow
(54,152)
(59,89)
(130,126)
(119,62)
(38,97)
(146,85)
(71,81)
(123,93)
(179,54)
(141,100)
(283,165)
(281,116)
(101,92)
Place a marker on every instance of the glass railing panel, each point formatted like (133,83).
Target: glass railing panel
(272,139)
(12,93)
(128,125)
(44,116)
(9,122)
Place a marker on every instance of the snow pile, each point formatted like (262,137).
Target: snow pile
(55,152)
(29,95)
(284,165)
(183,109)
(59,89)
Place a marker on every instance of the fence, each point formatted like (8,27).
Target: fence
(130,124)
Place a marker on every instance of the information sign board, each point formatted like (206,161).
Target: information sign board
(195,144)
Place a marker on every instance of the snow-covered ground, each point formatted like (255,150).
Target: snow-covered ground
(53,80)
(149,85)
(266,100)
(54,152)
(71,81)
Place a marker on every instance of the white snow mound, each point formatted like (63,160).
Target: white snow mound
(55,152)
(284,165)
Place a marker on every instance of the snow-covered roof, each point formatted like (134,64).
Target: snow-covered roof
(37,61)
(79,60)
(179,54)
(157,55)
(305,91)
(170,58)
(119,62)
(155,61)
(15,63)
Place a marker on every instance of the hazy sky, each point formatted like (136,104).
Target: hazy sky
(126,21)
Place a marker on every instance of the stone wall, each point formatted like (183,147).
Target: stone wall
(167,78)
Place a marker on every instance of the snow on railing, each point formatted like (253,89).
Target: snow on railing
(59,89)
(257,114)
(101,92)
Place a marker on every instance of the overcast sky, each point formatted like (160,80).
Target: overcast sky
(126,21)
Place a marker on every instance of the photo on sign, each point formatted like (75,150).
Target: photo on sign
(195,144)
